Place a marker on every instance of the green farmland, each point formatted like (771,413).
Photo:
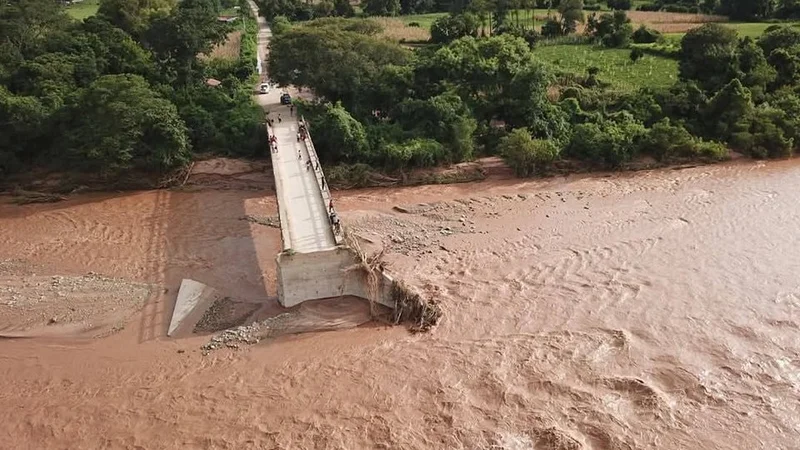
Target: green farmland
(615,65)
(83,9)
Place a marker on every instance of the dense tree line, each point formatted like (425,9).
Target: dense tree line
(385,106)
(124,90)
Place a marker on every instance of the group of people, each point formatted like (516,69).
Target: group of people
(335,222)
(273,143)
(302,133)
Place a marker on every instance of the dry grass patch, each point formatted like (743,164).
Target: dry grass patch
(396,30)
(228,49)
(672,22)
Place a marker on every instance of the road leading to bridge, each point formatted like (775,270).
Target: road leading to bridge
(305,223)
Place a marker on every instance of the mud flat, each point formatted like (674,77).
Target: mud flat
(657,310)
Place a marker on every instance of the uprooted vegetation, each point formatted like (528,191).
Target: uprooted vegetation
(410,307)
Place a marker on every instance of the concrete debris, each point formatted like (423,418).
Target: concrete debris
(270,221)
(245,334)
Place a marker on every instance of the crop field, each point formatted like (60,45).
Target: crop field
(83,9)
(615,65)
(230,48)
(662,21)
(397,30)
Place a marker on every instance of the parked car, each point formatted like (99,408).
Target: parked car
(286,99)
(264,88)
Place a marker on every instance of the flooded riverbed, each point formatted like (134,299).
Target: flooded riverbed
(656,310)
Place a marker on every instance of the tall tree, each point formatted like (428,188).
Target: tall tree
(120,123)
(24,24)
(571,14)
(709,56)
(134,16)
(177,39)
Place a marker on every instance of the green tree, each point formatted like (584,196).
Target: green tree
(338,136)
(623,5)
(448,28)
(279,25)
(134,16)
(343,8)
(667,141)
(527,156)
(779,37)
(337,65)
(24,24)
(120,123)
(608,143)
(754,70)
(732,105)
(177,40)
(23,120)
(571,14)
(444,118)
(416,152)
(748,9)
(708,56)
(381,7)
(613,30)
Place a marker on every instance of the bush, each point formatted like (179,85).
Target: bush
(667,142)
(637,54)
(280,25)
(120,123)
(526,155)
(552,28)
(449,28)
(413,24)
(765,134)
(649,7)
(418,152)
(613,30)
(608,143)
(343,8)
(620,4)
(645,35)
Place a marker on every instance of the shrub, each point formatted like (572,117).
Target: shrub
(667,141)
(449,28)
(552,28)
(620,4)
(608,143)
(413,24)
(645,35)
(280,25)
(637,54)
(526,155)
(412,153)
(765,134)
(651,7)
(613,30)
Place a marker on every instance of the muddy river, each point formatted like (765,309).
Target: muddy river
(657,310)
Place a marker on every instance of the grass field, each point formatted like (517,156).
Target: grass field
(84,9)
(615,65)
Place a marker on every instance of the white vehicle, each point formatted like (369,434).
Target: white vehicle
(264,88)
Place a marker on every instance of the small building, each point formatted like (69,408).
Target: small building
(213,82)
(227,19)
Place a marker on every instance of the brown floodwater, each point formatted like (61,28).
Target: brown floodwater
(656,310)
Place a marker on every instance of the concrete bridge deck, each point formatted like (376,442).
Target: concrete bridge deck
(314,263)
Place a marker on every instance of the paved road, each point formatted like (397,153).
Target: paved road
(299,196)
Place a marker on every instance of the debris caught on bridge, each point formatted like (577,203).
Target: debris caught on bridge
(410,308)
